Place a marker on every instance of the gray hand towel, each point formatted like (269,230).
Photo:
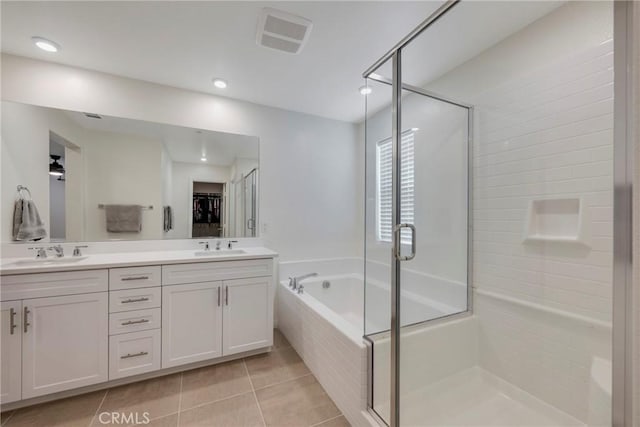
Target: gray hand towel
(124,218)
(27,224)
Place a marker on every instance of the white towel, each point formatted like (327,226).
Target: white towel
(27,224)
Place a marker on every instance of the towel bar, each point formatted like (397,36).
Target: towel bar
(150,207)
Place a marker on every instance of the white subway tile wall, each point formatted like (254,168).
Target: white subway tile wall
(546,134)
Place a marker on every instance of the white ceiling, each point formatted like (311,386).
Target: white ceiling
(186,44)
(182,144)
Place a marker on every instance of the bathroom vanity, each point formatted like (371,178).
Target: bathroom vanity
(70,326)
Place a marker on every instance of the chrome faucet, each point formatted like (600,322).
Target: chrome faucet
(76,250)
(40,252)
(206,245)
(295,281)
(218,244)
(59,250)
(230,243)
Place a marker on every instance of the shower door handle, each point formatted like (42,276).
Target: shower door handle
(398,245)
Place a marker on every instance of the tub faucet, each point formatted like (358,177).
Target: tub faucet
(295,281)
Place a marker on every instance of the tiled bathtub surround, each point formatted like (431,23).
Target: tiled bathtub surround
(273,389)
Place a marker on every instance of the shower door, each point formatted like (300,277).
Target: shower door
(250,208)
(416,254)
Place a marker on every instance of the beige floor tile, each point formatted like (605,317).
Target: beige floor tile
(216,382)
(239,411)
(71,412)
(166,421)
(158,397)
(300,402)
(279,340)
(340,421)
(5,416)
(274,367)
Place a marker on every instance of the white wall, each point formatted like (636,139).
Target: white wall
(25,159)
(309,173)
(57,207)
(122,169)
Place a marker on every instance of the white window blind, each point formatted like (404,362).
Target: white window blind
(384,187)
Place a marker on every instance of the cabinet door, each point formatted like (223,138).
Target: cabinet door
(11,352)
(248,319)
(64,343)
(191,323)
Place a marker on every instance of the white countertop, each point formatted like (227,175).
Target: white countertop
(131,259)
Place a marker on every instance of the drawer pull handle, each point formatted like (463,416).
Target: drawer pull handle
(226,295)
(135,322)
(129,355)
(26,319)
(130,300)
(12,320)
(125,279)
(218,296)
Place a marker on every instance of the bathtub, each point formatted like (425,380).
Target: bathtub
(325,325)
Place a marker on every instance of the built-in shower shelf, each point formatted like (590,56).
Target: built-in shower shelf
(556,220)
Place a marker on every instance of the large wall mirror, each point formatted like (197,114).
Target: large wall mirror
(95,178)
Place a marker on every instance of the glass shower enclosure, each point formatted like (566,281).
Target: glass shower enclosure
(489,253)
(417,221)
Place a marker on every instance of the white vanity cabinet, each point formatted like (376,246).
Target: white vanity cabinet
(192,323)
(64,343)
(215,309)
(135,300)
(60,332)
(247,316)
(11,352)
(66,330)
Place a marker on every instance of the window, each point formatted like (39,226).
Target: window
(384,189)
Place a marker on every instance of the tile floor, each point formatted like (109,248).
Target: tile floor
(274,389)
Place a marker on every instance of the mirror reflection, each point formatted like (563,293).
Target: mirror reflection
(74,176)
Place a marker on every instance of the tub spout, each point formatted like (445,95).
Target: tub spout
(295,281)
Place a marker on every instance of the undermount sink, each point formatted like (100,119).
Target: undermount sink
(50,261)
(221,252)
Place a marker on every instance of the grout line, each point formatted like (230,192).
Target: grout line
(328,419)
(99,407)
(180,400)
(199,405)
(285,381)
(253,390)
(10,416)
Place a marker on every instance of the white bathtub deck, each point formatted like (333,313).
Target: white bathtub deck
(475,397)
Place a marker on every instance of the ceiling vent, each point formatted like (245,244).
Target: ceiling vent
(282,31)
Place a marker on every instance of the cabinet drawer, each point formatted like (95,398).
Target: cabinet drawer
(216,270)
(134,353)
(42,285)
(134,299)
(134,277)
(133,321)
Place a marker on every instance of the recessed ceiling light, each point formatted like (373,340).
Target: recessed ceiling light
(220,83)
(365,90)
(204,159)
(46,45)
